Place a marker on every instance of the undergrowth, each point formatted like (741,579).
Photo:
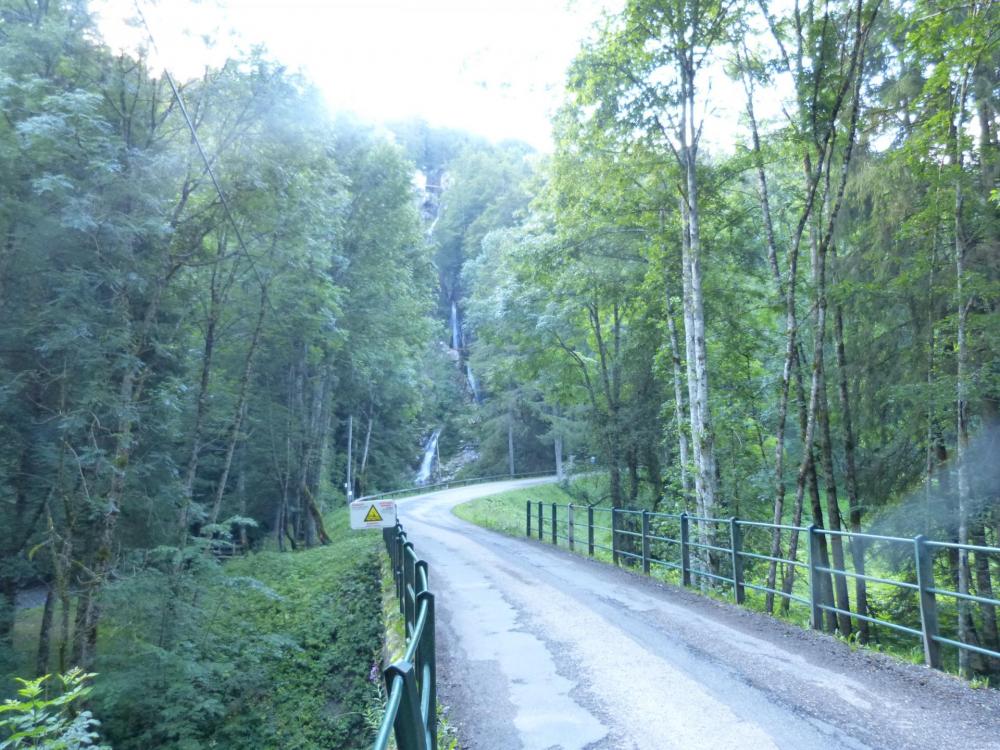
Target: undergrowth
(273,650)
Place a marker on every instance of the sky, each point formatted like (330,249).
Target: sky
(492,67)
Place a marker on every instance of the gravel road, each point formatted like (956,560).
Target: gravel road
(543,650)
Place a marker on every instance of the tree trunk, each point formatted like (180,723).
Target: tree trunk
(833,510)
(362,476)
(962,387)
(984,588)
(558,447)
(851,476)
(349,484)
(241,493)
(703,434)
(129,396)
(239,413)
(632,460)
(689,348)
(810,479)
(8,609)
(317,517)
(201,407)
(510,443)
(45,634)
(679,406)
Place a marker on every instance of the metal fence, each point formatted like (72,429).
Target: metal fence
(411,682)
(716,551)
(452,483)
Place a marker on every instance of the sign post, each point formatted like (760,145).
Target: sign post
(373,514)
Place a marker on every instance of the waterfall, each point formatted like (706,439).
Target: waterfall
(455,340)
(427,462)
(473,385)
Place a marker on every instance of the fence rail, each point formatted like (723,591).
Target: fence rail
(411,682)
(451,483)
(715,550)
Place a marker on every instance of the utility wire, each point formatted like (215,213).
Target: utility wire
(201,150)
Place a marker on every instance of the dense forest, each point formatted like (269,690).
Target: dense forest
(187,325)
(207,292)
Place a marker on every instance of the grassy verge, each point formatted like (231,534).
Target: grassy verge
(328,623)
(273,650)
(505,511)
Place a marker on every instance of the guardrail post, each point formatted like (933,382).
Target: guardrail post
(409,579)
(815,588)
(590,530)
(614,538)
(569,525)
(685,551)
(408,725)
(398,566)
(527,518)
(427,667)
(540,510)
(554,526)
(645,542)
(928,602)
(736,543)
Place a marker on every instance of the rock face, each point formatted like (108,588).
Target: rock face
(429,189)
(450,468)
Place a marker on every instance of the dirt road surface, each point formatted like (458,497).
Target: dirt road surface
(542,649)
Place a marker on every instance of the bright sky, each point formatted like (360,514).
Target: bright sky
(492,67)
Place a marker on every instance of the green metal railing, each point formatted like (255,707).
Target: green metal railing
(452,483)
(411,682)
(715,550)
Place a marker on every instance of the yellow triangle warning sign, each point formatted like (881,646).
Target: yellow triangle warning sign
(372,516)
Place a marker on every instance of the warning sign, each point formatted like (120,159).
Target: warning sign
(373,514)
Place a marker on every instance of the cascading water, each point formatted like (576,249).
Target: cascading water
(427,462)
(455,333)
(473,385)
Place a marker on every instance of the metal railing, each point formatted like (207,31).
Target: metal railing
(411,682)
(452,483)
(715,550)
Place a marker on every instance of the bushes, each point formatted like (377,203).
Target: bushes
(270,651)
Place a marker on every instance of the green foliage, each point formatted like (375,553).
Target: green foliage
(274,650)
(177,362)
(50,722)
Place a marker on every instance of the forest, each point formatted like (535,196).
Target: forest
(214,291)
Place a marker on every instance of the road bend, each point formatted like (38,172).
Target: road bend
(542,649)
